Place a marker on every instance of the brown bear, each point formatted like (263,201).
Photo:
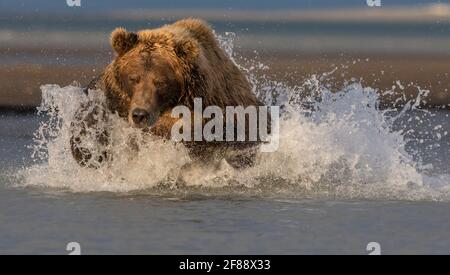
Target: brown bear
(155,70)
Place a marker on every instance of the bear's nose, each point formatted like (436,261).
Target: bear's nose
(141,117)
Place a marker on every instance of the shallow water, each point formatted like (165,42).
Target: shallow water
(43,220)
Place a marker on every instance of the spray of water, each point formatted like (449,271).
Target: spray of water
(332,144)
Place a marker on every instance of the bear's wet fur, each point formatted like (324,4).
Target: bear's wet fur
(161,68)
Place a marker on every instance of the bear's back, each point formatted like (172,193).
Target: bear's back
(229,85)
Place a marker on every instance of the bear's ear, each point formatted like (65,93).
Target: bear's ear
(123,41)
(187,49)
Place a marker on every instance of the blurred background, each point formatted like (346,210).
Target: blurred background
(403,43)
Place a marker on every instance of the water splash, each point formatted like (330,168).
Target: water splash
(332,143)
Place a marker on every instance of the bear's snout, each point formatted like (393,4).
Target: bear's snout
(142,118)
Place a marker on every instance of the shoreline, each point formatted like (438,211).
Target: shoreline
(19,83)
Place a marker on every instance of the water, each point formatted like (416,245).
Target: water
(44,220)
(39,223)
(35,35)
(306,37)
(347,173)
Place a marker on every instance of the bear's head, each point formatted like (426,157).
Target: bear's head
(152,70)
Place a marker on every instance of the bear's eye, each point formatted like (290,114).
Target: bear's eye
(134,79)
(160,84)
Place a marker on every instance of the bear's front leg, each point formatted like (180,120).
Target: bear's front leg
(90,138)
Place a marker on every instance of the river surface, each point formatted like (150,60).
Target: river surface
(43,220)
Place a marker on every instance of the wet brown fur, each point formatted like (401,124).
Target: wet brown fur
(201,69)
